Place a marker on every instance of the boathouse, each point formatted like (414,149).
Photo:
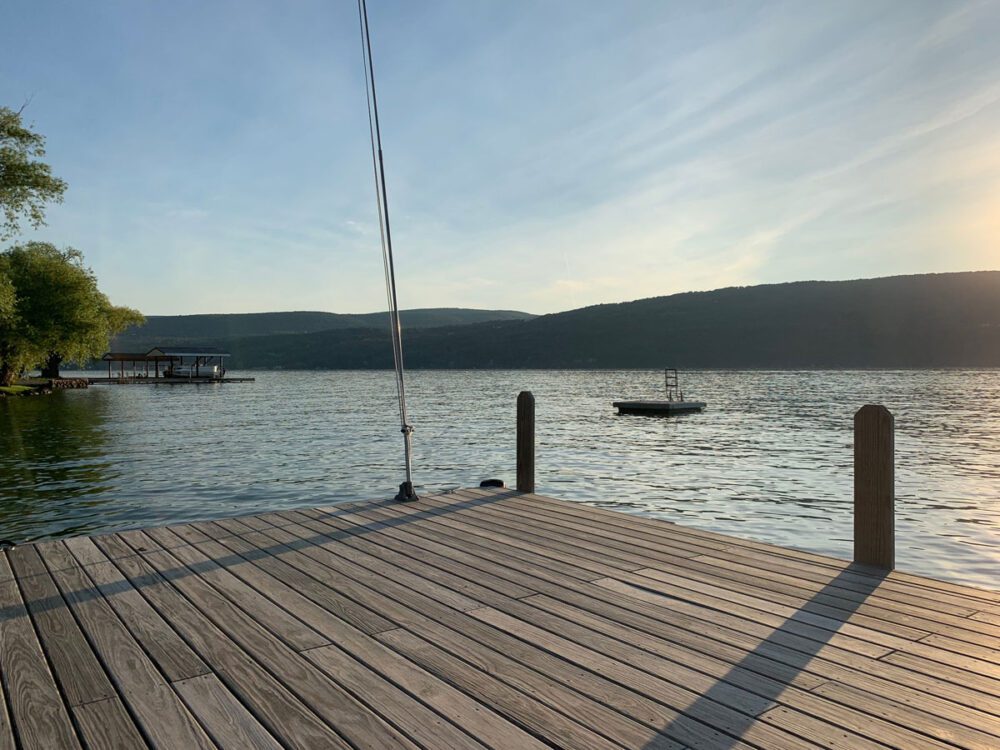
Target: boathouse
(169,362)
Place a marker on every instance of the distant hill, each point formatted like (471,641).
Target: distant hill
(931,320)
(215,329)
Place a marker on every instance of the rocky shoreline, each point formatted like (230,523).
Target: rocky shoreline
(45,387)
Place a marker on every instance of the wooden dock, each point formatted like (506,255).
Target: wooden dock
(482,619)
(163,380)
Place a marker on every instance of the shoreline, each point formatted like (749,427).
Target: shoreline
(42,386)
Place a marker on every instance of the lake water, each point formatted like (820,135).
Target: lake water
(769,459)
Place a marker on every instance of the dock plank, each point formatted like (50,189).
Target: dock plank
(264,694)
(706,557)
(898,581)
(689,720)
(220,574)
(422,725)
(475,718)
(796,650)
(321,694)
(446,570)
(106,723)
(6,727)
(78,672)
(223,716)
(163,717)
(684,623)
(824,667)
(483,618)
(38,714)
(436,630)
(354,641)
(685,573)
(884,651)
(170,653)
(442,611)
(539,719)
(685,675)
(326,600)
(876,617)
(586,711)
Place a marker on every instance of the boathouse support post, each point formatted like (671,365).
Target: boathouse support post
(525,442)
(874,487)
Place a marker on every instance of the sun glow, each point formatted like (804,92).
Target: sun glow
(977,231)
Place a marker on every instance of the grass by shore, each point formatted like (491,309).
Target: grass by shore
(14,390)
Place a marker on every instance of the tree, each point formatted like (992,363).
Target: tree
(59,314)
(16,351)
(26,184)
(8,299)
(8,315)
(87,336)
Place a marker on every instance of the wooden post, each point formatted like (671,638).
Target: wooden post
(874,487)
(525,442)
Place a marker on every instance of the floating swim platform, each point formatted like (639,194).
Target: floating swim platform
(658,407)
(673,404)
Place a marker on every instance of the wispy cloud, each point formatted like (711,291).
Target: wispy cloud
(540,155)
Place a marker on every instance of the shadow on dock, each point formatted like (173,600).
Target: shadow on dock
(770,689)
(47,603)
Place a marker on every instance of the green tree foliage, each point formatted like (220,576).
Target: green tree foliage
(7,296)
(26,184)
(16,351)
(59,315)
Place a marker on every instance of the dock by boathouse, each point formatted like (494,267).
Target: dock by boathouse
(164,364)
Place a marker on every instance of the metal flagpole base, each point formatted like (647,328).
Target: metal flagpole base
(406,493)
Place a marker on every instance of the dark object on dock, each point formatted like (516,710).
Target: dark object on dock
(406,493)
(493,483)
(674,403)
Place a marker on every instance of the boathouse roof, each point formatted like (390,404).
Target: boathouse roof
(165,352)
(187,351)
(127,357)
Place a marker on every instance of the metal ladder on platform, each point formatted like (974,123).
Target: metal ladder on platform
(674,392)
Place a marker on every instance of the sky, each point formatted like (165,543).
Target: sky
(540,155)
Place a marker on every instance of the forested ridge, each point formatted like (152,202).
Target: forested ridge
(928,320)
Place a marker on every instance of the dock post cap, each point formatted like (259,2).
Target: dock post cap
(869,408)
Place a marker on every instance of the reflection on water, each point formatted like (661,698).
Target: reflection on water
(53,470)
(770,458)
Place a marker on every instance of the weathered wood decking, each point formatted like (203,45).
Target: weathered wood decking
(482,618)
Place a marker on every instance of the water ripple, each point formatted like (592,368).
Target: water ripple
(770,459)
